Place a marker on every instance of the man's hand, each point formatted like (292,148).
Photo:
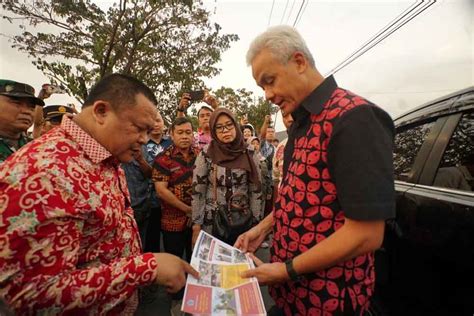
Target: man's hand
(268,119)
(250,240)
(211,100)
(267,273)
(244,120)
(44,93)
(184,102)
(171,272)
(196,231)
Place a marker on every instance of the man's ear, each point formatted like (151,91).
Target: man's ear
(300,61)
(100,111)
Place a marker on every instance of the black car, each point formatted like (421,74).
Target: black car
(426,264)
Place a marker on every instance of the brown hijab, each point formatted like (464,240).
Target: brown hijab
(233,155)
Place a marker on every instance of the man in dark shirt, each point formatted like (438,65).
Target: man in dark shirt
(17,106)
(337,187)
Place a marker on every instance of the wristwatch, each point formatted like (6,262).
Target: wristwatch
(180,110)
(291,271)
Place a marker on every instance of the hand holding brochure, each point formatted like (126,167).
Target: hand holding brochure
(220,290)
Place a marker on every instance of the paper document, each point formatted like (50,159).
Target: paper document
(220,290)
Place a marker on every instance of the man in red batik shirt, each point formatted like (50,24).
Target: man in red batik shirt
(68,239)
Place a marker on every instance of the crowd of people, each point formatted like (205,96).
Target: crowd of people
(85,205)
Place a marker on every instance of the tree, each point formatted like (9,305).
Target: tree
(168,44)
(243,102)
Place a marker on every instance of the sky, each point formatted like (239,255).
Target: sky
(431,56)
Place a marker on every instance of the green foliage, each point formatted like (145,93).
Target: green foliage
(168,44)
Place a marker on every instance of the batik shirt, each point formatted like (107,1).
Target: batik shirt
(172,167)
(338,164)
(277,169)
(229,182)
(68,240)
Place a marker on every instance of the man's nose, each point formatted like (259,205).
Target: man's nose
(269,95)
(143,139)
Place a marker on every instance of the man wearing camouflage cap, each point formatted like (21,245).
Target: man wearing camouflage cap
(17,105)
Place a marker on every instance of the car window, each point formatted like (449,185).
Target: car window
(407,145)
(456,170)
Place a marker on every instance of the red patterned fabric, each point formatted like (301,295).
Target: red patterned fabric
(68,240)
(307,211)
(172,167)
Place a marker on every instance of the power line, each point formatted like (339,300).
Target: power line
(301,7)
(386,27)
(386,32)
(291,10)
(284,11)
(271,11)
(306,5)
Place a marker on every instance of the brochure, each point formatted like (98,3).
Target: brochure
(220,290)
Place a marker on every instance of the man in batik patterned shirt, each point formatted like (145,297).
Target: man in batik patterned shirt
(69,243)
(337,186)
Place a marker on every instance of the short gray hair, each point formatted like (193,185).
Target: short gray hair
(282,41)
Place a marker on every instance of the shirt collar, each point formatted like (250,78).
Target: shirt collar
(163,139)
(315,101)
(175,151)
(95,151)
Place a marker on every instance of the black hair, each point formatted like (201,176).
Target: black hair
(118,89)
(250,127)
(204,107)
(180,121)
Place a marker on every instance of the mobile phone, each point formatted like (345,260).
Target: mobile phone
(197,95)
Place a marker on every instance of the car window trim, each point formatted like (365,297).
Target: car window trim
(426,146)
(428,173)
(449,195)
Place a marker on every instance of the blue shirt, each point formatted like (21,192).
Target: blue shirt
(140,187)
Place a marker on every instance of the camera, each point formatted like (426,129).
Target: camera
(196,95)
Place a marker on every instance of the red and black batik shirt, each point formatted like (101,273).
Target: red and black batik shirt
(337,164)
(172,167)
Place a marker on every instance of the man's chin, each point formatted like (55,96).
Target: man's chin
(125,158)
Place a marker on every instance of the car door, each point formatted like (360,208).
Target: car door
(442,239)
(432,247)
(413,144)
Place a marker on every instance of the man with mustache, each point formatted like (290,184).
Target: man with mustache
(69,242)
(17,106)
(173,175)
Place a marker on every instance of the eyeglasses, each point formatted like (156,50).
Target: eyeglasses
(220,128)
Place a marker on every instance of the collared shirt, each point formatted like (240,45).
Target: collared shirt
(202,139)
(68,239)
(138,184)
(154,148)
(6,148)
(141,188)
(173,167)
(337,164)
(267,149)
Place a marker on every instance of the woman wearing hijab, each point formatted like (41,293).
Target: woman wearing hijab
(225,169)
